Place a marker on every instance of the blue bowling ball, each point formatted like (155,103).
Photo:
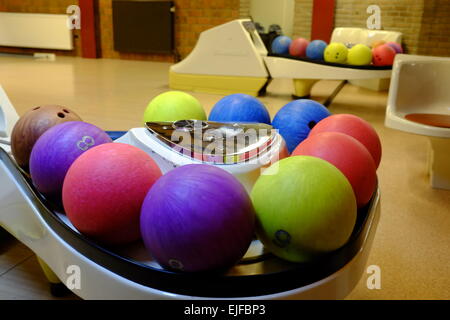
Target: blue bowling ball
(239,107)
(280,45)
(296,119)
(315,49)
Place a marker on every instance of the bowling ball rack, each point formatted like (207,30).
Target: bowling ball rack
(131,269)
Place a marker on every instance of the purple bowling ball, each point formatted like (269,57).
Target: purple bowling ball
(197,218)
(396,46)
(56,150)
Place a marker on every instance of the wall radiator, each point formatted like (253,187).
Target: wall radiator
(143,26)
(32,30)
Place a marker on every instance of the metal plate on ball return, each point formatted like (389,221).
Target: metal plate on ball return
(259,273)
(214,142)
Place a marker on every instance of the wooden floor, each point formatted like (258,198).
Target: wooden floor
(412,243)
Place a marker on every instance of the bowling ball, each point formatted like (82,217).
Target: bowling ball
(348,155)
(336,52)
(197,218)
(383,55)
(396,46)
(56,150)
(32,125)
(296,119)
(359,55)
(315,49)
(298,47)
(173,106)
(353,126)
(104,190)
(280,45)
(239,107)
(377,43)
(304,207)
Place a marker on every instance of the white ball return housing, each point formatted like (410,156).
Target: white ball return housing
(419,102)
(232,58)
(129,272)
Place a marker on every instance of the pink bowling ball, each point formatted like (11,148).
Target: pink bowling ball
(298,47)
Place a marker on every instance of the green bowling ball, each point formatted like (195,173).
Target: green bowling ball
(305,207)
(173,106)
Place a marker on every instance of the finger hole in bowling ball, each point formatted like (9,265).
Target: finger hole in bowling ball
(61,115)
(311,124)
(66,111)
(36,108)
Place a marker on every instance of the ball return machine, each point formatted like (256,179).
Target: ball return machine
(128,272)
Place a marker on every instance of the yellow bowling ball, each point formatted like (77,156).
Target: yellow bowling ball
(336,52)
(359,55)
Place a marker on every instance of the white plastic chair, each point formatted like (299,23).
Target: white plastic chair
(419,102)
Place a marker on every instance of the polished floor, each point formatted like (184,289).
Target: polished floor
(412,242)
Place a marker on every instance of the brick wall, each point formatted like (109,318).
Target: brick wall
(191,18)
(303,19)
(244,9)
(434,38)
(404,16)
(41,6)
(425,24)
(195,16)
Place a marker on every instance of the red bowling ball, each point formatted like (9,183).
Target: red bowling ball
(298,46)
(349,156)
(104,190)
(383,55)
(354,126)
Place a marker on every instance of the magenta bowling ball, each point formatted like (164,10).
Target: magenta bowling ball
(197,218)
(56,150)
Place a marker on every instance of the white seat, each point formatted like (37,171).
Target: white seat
(364,36)
(419,88)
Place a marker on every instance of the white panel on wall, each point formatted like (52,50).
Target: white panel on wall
(32,30)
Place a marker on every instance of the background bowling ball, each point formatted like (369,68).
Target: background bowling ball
(383,55)
(32,125)
(396,46)
(104,189)
(359,55)
(280,45)
(298,46)
(315,49)
(336,53)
